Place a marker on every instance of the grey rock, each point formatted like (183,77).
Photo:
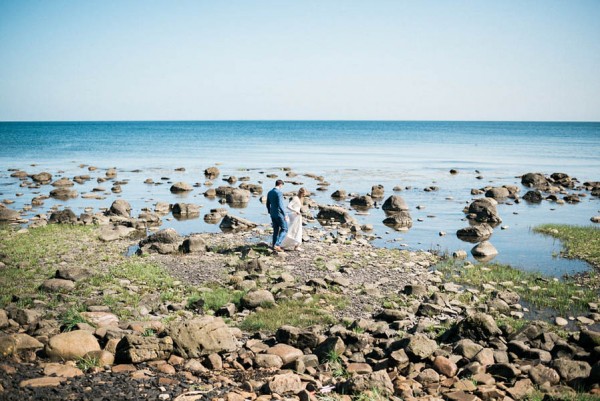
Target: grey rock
(363,201)
(238,197)
(181,187)
(536,180)
(212,173)
(571,370)
(185,210)
(63,217)
(420,347)
(257,298)
(234,223)
(395,203)
(335,213)
(193,244)
(484,210)
(399,220)
(201,336)
(136,349)
(476,233)
(120,207)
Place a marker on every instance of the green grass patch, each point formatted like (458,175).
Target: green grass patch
(70,318)
(296,313)
(218,297)
(541,292)
(87,362)
(582,242)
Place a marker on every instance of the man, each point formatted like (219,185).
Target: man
(278,216)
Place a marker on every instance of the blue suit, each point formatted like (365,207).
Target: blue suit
(277,212)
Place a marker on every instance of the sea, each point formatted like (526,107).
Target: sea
(350,155)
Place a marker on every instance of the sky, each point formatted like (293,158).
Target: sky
(299,60)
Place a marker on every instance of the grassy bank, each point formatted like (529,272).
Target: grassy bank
(582,242)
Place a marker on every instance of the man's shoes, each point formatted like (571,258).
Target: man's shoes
(277,248)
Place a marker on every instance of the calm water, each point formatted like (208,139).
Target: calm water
(350,155)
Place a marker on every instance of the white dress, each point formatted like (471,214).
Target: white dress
(294,234)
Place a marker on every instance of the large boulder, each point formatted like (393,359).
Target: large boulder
(135,349)
(257,298)
(120,207)
(571,370)
(164,242)
(399,220)
(335,213)
(7,214)
(234,223)
(395,203)
(563,180)
(181,187)
(238,197)
(478,326)
(483,210)
(474,234)
(377,191)
(533,196)
(63,217)
(212,173)
(254,189)
(536,180)
(497,193)
(193,244)
(201,336)
(71,345)
(63,182)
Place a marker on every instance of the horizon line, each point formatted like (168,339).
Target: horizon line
(298,120)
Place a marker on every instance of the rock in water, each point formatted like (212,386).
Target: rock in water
(234,223)
(484,249)
(474,234)
(395,203)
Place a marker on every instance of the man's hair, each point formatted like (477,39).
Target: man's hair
(278,183)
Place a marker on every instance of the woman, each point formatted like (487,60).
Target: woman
(294,234)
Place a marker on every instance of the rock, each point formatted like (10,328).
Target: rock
(428,376)
(335,213)
(113,233)
(238,197)
(268,361)
(71,345)
(484,210)
(104,358)
(254,189)
(445,366)
(7,214)
(288,383)
(63,193)
(121,208)
(63,217)
(201,336)
(20,174)
(181,187)
(378,381)
(63,182)
(504,371)
(536,180)
(467,348)
(533,196)
(164,242)
(162,208)
(81,179)
(331,345)
(459,254)
(420,347)
(42,178)
(193,244)
(571,370)
(15,344)
(521,390)
(185,210)
(234,223)
(287,353)
(478,326)
(60,370)
(43,382)
(339,194)
(211,173)
(395,203)
(359,368)
(484,249)
(296,337)
(257,298)
(101,319)
(497,193)
(377,191)
(111,172)
(73,273)
(58,285)
(595,219)
(476,233)
(3,319)
(561,321)
(136,349)
(399,220)
(541,375)
(364,201)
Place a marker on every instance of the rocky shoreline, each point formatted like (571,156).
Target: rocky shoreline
(371,323)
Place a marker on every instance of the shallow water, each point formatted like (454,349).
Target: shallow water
(350,155)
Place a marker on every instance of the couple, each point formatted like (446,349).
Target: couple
(280,219)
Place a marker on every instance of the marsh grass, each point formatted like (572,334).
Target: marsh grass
(582,242)
(291,312)
(539,291)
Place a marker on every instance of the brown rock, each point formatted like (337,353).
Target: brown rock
(268,361)
(71,345)
(60,370)
(135,348)
(521,390)
(445,366)
(359,368)
(43,382)
(287,353)
(124,368)
(284,384)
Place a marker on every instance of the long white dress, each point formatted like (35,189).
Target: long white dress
(294,234)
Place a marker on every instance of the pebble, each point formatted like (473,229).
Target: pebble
(560,321)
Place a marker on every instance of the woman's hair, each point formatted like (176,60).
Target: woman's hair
(302,193)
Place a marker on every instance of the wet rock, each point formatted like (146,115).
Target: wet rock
(536,180)
(363,201)
(211,173)
(193,244)
(185,210)
(335,213)
(63,193)
(484,210)
(164,242)
(395,203)
(135,349)
(533,196)
(201,336)
(63,182)
(476,233)
(497,193)
(399,220)
(238,197)
(71,345)
(42,178)
(234,223)
(339,194)
(484,249)
(181,187)
(377,191)
(120,208)
(8,215)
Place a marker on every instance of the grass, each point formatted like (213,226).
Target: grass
(539,291)
(582,242)
(336,366)
(291,312)
(70,318)
(218,297)
(87,362)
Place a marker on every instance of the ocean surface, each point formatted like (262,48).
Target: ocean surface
(351,155)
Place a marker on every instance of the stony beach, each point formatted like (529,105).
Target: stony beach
(113,307)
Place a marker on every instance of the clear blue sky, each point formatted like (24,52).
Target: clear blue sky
(323,59)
